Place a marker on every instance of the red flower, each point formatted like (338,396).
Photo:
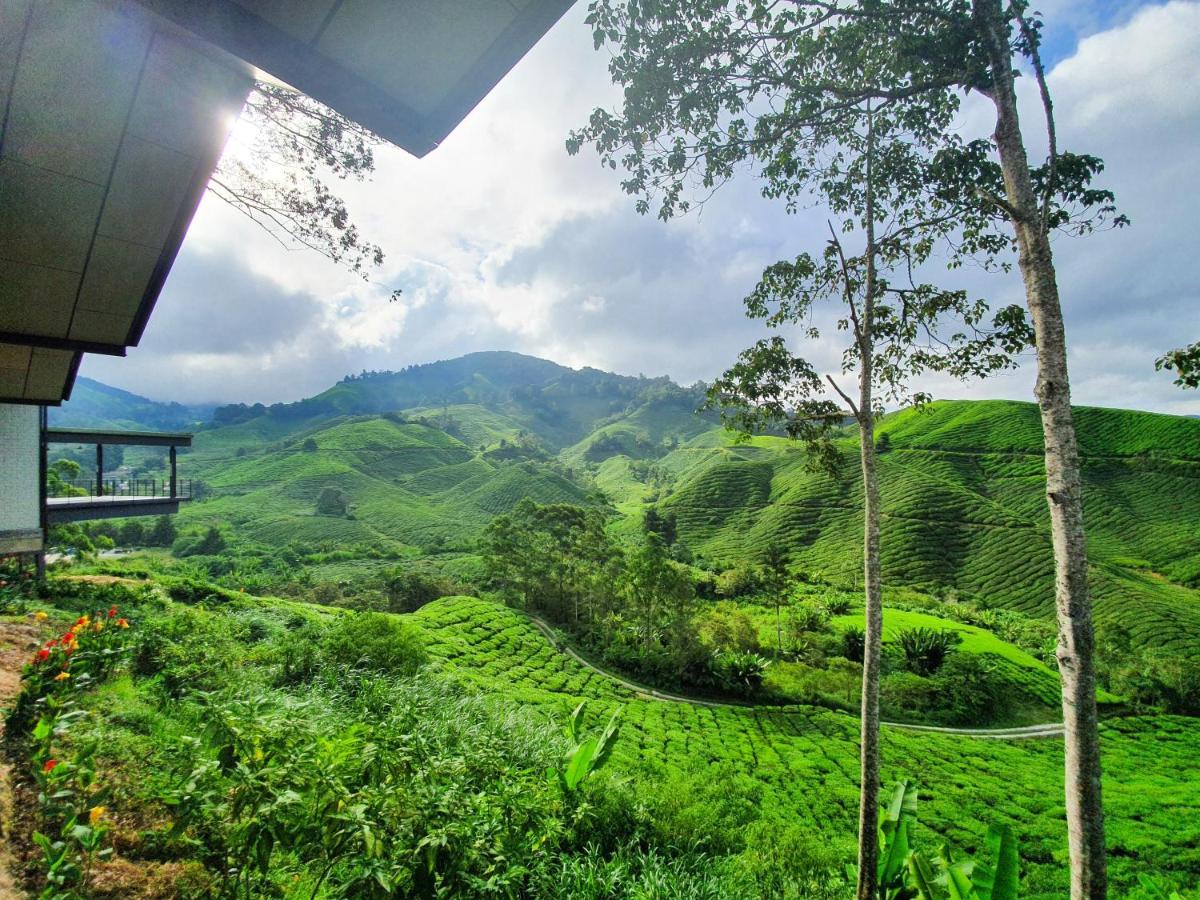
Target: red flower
(49,766)
(43,655)
(112,611)
(68,637)
(53,642)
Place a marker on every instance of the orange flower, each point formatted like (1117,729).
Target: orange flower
(49,766)
(97,626)
(95,814)
(122,623)
(62,676)
(83,622)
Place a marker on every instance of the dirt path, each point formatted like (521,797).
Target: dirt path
(17,641)
(1050,729)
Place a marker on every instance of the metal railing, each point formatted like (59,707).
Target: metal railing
(89,490)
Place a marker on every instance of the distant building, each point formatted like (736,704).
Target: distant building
(113,115)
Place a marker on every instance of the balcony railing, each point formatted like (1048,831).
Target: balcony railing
(117,490)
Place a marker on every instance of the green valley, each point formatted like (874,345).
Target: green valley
(506,538)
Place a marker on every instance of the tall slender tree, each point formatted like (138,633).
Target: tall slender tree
(711,86)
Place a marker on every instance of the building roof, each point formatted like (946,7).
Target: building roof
(410,71)
(112,124)
(114,115)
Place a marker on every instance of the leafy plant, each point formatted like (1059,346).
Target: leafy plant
(587,754)
(905,872)
(925,649)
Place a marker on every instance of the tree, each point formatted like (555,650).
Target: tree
(709,86)
(664,526)
(61,476)
(1184,362)
(872,165)
(657,589)
(132,533)
(281,179)
(333,501)
(775,563)
(163,533)
(1004,32)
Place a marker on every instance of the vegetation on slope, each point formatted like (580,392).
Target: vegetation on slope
(224,742)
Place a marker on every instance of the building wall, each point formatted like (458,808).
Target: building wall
(20,516)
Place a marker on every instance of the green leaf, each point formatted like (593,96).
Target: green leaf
(1000,879)
(921,877)
(580,764)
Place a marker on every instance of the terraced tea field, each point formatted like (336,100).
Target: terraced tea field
(964,509)
(800,763)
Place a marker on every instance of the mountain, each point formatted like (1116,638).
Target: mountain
(559,404)
(97,405)
(427,456)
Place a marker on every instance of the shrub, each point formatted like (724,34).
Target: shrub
(806,617)
(333,502)
(925,649)
(739,582)
(835,604)
(739,673)
(854,642)
(376,642)
(969,690)
(729,629)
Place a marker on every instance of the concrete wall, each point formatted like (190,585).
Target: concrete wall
(20,518)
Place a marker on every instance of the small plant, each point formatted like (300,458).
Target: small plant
(926,649)
(906,873)
(854,641)
(587,754)
(71,816)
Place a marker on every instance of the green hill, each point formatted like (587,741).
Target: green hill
(964,509)
(428,455)
(97,405)
(409,485)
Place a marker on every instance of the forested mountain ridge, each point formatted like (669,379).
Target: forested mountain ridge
(94,404)
(424,458)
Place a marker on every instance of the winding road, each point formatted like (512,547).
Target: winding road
(1025,732)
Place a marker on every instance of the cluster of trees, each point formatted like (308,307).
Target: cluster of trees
(634,606)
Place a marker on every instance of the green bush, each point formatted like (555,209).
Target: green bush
(374,641)
(854,642)
(925,650)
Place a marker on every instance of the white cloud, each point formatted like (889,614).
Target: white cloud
(501,241)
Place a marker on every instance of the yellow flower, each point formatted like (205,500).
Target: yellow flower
(95,814)
(97,626)
(62,676)
(40,616)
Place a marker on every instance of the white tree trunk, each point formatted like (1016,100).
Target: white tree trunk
(868,810)
(1076,662)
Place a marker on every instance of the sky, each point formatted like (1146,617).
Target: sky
(501,241)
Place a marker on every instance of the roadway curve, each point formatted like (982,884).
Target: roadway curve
(1050,729)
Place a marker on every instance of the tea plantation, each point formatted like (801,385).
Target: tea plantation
(802,762)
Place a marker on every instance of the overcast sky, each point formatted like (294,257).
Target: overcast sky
(500,240)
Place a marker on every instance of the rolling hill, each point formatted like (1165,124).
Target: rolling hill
(428,455)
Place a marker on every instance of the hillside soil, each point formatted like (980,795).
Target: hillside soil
(17,641)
